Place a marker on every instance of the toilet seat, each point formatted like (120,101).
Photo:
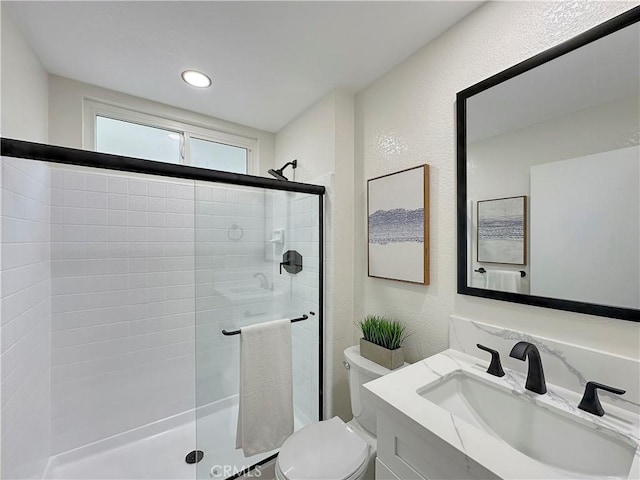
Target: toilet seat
(327,450)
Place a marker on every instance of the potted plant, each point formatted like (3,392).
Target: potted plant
(382,340)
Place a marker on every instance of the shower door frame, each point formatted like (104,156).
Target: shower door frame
(71,156)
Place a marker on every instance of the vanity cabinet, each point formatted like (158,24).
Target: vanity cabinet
(445,417)
(383,472)
(408,451)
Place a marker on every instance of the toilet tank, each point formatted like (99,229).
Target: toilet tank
(361,371)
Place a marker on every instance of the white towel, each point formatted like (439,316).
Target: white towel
(265,416)
(504,280)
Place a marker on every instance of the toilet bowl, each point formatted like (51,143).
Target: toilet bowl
(328,450)
(332,449)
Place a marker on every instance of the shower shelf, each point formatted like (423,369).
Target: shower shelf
(277,236)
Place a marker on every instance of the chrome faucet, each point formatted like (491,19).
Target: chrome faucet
(535,375)
(264,283)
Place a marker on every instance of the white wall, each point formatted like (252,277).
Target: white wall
(66,116)
(407,117)
(321,138)
(25,350)
(24,87)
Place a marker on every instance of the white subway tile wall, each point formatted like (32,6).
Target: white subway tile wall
(233,277)
(26,318)
(123,296)
(298,215)
(116,288)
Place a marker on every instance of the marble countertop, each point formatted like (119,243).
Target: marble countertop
(400,391)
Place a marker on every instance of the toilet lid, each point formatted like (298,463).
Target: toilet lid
(327,450)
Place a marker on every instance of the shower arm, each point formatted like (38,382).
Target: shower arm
(293,163)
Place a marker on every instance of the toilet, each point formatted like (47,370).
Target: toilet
(332,449)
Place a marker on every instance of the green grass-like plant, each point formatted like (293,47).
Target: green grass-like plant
(387,333)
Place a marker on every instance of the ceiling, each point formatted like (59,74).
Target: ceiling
(269,61)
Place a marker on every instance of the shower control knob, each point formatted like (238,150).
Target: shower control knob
(346,365)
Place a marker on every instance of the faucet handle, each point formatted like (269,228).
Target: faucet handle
(590,401)
(495,368)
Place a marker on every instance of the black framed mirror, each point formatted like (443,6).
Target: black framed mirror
(548,165)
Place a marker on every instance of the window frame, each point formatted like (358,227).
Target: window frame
(93,108)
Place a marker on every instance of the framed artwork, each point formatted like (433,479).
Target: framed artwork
(398,225)
(502,230)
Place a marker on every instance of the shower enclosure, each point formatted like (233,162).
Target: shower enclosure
(119,276)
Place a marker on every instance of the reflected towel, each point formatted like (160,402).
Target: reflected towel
(265,414)
(504,281)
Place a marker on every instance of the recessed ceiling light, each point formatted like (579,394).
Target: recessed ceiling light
(196,79)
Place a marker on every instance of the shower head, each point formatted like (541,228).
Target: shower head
(278,173)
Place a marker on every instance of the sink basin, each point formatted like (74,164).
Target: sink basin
(240,292)
(572,446)
(247,289)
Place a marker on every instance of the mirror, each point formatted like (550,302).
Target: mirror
(549,177)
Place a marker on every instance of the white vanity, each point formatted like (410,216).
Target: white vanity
(446,417)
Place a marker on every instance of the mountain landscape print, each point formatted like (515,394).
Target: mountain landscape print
(502,230)
(398,225)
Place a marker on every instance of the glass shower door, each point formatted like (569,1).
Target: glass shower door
(242,234)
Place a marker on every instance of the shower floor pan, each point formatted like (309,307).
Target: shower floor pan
(161,454)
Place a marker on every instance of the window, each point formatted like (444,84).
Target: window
(116,130)
(133,140)
(218,156)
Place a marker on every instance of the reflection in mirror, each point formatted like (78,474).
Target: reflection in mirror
(553,178)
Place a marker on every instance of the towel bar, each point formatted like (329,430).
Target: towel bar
(293,320)
(482,270)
